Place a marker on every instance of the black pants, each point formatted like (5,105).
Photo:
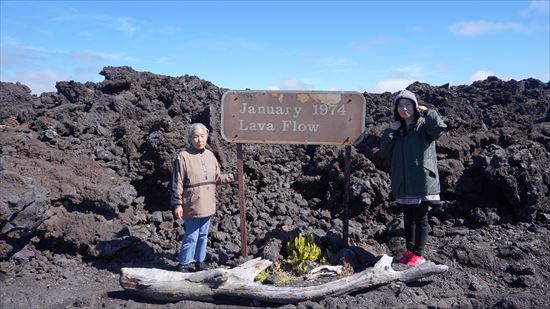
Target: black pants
(416,226)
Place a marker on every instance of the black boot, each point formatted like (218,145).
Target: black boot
(184,268)
(200,266)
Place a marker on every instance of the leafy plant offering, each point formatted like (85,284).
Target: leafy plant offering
(302,249)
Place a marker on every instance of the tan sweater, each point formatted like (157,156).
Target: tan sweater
(194,179)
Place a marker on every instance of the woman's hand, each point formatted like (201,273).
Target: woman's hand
(395,125)
(178,212)
(421,108)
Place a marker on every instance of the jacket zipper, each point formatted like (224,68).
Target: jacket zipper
(403,163)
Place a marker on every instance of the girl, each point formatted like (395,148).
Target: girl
(410,141)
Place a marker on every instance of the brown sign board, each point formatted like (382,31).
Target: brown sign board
(293,117)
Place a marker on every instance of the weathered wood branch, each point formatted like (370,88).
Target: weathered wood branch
(166,285)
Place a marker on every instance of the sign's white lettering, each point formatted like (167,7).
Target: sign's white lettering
(293,117)
(255,126)
(270,110)
(292,125)
(326,109)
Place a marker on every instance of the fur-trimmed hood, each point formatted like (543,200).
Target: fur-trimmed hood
(405,94)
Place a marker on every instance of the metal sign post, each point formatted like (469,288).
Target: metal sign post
(242,204)
(292,117)
(347,171)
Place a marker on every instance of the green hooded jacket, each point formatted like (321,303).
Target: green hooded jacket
(413,156)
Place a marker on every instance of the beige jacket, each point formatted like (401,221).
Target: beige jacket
(194,181)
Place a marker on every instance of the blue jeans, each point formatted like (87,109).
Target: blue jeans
(193,247)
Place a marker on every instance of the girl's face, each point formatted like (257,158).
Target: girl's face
(199,139)
(405,108)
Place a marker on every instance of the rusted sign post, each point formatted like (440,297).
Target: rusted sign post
(242,205)
(292,117)
(347,172)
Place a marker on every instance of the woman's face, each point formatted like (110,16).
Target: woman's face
(199,139)
(405,108)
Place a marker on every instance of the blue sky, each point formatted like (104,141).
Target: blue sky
(372,46)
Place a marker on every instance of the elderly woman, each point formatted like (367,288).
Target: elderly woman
(194,179)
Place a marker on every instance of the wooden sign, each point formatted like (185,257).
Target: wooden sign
(293,117)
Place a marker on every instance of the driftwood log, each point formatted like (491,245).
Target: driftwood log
(171,286)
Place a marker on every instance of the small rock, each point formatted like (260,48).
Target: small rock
(156,217)
(272,250)
(23,255)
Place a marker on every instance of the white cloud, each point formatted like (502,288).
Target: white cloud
(87,55)
(472,28)
(14,56)
(121,24)
(293,84)
(393,85)
(399,78)
(40,81)
(414,69)
(537,7)
(328,61)
(8,41)
(411,72)
(31,64)
(124,25)
(481,75)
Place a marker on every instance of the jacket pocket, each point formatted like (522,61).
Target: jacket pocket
(190,196)
(430,170)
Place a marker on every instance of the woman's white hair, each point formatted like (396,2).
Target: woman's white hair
(192,129)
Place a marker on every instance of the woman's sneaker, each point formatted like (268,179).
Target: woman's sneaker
(187,268)
(200,266)
(407,256)
(416,260)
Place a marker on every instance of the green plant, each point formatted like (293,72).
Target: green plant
(262,276)
(276,268)
(302,249)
